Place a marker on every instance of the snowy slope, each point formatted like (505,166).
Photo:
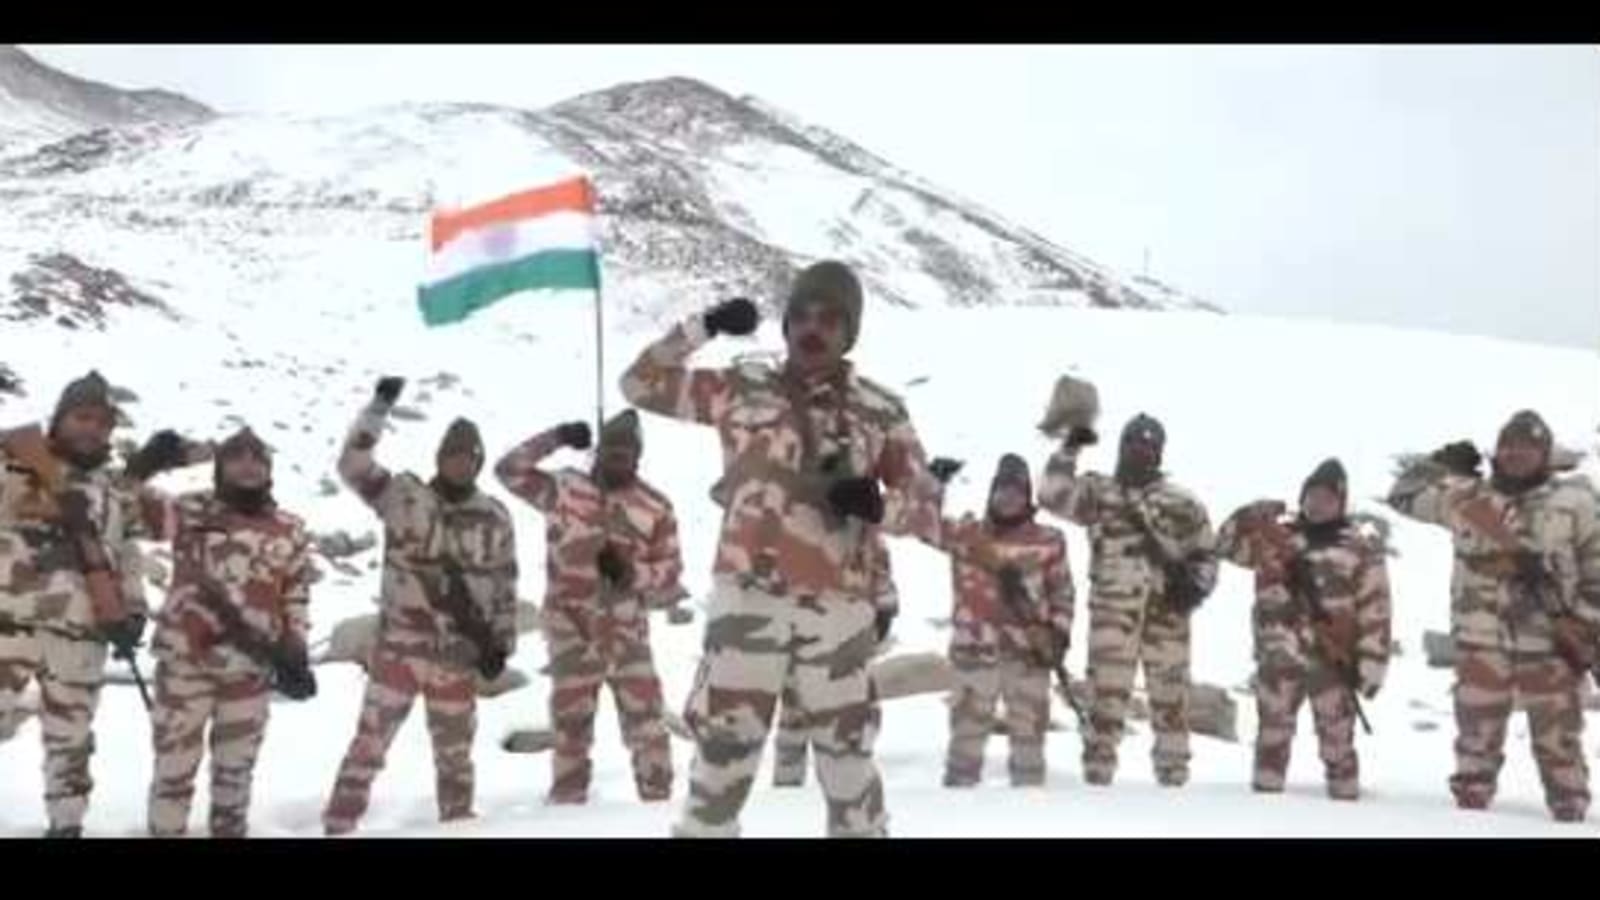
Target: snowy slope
(40,104)
(1250,404)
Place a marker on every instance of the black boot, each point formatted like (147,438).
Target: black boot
(64,831)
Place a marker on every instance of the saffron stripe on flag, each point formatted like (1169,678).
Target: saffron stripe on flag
(456,298)
(511,240)
(573,195)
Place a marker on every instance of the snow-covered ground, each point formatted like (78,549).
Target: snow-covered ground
(1251,405)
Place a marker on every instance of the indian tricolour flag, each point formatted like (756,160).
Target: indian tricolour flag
(538,239)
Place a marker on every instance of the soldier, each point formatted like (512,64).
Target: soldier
(1525,604)
(1321,620)
(805,448)
(1151,566)
(70,583)
(233,626)
(792,743)
(448,606)
(1012,624)
(612,555)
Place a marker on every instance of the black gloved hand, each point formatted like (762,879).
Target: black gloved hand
(737,317)
(1012,587)
(1369,691)
(124,635)
(291,670)
(1080,436)
(1059,643)
(944,468)
(613,566)
(857,496)
(162,452)
(882,621)
(388,389)
(1183,595)
(575,435)
(1460,457)
(493,664)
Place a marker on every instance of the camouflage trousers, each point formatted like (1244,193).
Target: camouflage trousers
(791,746)
(1118,643)
(1281,688)
(618,656)
(984,674)
(754,642)
(70,674)
(236,707)
(1487,683)
(393,681)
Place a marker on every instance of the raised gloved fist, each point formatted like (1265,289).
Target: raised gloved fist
(737,317)
(163,451)
(943,468)
(1460,457)
(857,496)
(1080,436)
(575,435)
(388,389)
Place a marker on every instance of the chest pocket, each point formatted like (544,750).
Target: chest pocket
(465,535)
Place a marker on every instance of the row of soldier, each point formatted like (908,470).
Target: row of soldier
(820,464)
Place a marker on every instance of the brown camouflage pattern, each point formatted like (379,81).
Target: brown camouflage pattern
(196,707)
(596,634)
(777,528)
(1352,579)
(1130,622)
(418,649)
(51,619)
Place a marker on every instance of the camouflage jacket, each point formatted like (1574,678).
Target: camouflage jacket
(977,552)
(777,530)
(421,530)
(1554,523)
(259,565)
(1123,571)
(1350,576)
(41,585)
(638,520)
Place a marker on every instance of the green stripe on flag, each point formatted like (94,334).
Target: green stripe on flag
(456,298)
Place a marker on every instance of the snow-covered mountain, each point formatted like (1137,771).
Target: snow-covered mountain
(261,270)
(39,103)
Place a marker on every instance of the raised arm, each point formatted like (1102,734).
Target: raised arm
(519,469)
(359,468)
(661,381)
(1065,492)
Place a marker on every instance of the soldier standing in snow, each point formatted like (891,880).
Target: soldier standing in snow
(612,556)
(1151,566)
(1012,624)
(70,583)
(806,448)
(233,627)
(447,608)
(1322,623)
(1525,604)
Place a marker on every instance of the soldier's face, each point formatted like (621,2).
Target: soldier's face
(617,463)
(816,336)
(1141,454)
(1519,458)
(86,430)
(246,470)
(1008,500)
(458,468)
(1322,504)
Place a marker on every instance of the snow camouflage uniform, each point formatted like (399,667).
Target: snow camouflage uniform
(1131,616)
(792,583)
(792,743)
(49,627)
(419,648)
(998,641)
(599,634)
(1522,552)
(259,564)
(1349,577)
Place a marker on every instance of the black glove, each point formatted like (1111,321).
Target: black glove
(388,389)
(493,663)
(944,468)
(737,317)
(162,452)
(1012,587)
(613,567)
(1183,595)
(857,496)
(124,635)
(1369,691)
(291,671)
(1460,457)
(882,621)
(1080,436)
(575,435)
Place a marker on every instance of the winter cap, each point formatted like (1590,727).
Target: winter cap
(461,437)
(831,283)
(621,430)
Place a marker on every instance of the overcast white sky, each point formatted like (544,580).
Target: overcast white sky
(1455,188)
